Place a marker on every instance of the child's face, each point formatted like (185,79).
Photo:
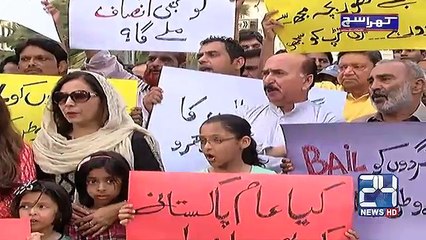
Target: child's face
(219,146)
(41,213)
(102,187)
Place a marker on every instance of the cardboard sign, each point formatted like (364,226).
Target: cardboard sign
(369,148)
(159,25)
(341,25)
(29,13)
(239,206)
(15,228)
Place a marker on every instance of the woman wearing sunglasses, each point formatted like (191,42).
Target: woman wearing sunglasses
(84,115)
(16,161)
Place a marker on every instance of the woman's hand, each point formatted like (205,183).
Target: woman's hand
(126,214)
(79,211)
(100,220)
(351,234)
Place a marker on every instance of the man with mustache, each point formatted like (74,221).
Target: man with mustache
(396,88)
(287,79)
(156,61)
(221,55)
(40,56)
(354,71)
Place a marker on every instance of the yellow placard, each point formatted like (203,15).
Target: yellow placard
(27,95)
(315,25)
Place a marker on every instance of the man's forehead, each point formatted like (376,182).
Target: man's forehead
(317,55)
(35,50)
(162,54)
(389,68)
(212,47)
(249,41)
(285,59)
(354,58)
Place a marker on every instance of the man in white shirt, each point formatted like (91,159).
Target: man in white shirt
(287,79)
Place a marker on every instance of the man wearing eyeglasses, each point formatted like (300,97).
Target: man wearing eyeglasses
(354,71)
(40,56)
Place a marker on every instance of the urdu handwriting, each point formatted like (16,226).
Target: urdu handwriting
(167,201)
(159,12)
(199,10)
(139,36)
(296,42)
(178,31)
(331,10)
(22,94)
(32,128)
(398,166)
(301,218)
(420,31)
(395,4)
(192,116)
(178,145)
(405,201)
(233,236)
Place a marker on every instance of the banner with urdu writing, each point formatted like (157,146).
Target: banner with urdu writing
(350,25)
(239,206)
(369,148)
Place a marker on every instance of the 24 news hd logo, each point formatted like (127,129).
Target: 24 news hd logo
(378,195)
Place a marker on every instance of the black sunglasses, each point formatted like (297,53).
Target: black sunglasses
(79,96)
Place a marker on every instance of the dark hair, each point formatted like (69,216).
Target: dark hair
(11,59)
(48,45)
(252,53)
(56,192)
(329,57)
(309,67)
(232,47)
(374,56)
(11,144)
(180,57)
(113,163)
(63,126)
(246,35)
(281,51)
(240,128)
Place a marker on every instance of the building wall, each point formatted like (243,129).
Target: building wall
(257,10)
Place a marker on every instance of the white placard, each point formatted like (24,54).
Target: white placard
(158,25)
(29,13)
(189,98)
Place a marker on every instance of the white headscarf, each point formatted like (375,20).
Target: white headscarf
(55,154)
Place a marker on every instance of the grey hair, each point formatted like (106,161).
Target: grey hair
(415,71)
